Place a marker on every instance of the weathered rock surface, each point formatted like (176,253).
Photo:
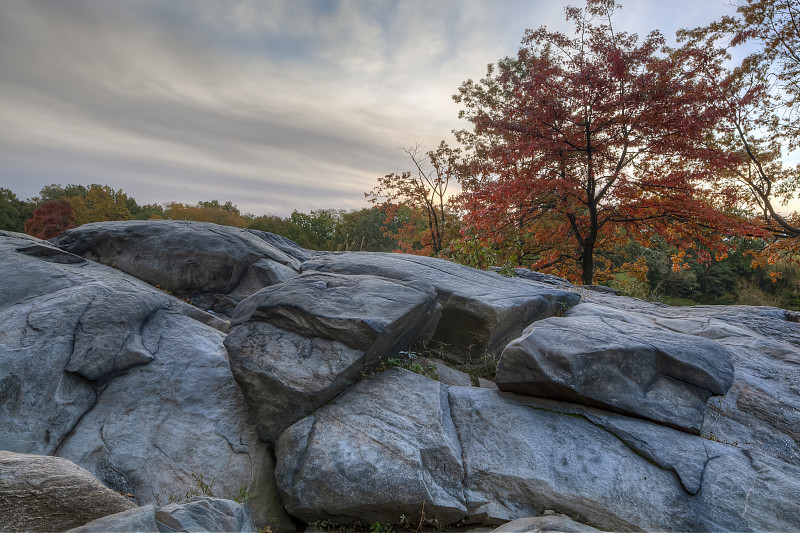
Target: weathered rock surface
(140,520)
(444,374)
(201,514)
(515,456)
(296,346)
(616,472)
(102,369)
(760,411)
(136,386)
(214,266)
(623,365)
(385,448)
(41,493)
(545,524)
(481,311)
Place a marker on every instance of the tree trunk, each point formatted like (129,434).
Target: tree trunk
(587,264)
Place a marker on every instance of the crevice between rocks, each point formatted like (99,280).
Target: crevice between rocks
(459,440)
(635,449)
(97,393)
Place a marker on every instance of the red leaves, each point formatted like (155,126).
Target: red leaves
(51,219)
(589,140)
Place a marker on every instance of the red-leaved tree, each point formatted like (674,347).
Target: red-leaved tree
(585,142)
(51,219)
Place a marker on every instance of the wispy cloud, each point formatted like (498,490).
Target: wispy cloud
(275,105)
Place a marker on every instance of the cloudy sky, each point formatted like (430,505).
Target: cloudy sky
(272,104)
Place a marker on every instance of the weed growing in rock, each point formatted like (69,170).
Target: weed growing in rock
(377,527)
(407,360)
(484,367)
(243,496)
(201,488)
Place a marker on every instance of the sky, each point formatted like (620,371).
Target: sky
(275,105)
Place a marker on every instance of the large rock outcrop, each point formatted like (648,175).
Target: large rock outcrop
(296,346)
(481,311)
(386,449)
(623,365)
(214,266)
(122,379)
(202,514)
(41,493)
(761,410)
(137,387)
(486,456)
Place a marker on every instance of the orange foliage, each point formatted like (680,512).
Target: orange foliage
(586,142)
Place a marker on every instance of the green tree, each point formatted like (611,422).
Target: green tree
(13,211)
(279,226)
(366,230)
(319,227)
(56,192)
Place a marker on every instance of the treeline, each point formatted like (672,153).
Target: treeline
(58,208)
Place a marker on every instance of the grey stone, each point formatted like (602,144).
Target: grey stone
(760,411)
(523,455)
(550,279)
(285,245)
(367,313)
(445,374)
(627,366)
(201,514)
(481,311)
(103,369)
(487,384)
(214,266)
(41,493)
(545,524)
(140,520)
(206,514)
(296,346)
(367,456)
(385,451)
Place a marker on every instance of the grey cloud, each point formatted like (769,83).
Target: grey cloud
(274,104)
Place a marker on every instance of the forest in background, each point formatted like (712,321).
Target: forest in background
(598,156)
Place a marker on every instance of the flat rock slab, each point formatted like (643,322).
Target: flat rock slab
(41,493)
(385,451)
(444,374)
(296,346)
(122,379)
(760,411)
(634,368)
(214,266)
(545,524)
(486,456)
(481,311)
(523,455)
(202,514)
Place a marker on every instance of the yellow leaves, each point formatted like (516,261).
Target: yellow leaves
(101,203)
(679,261)
(216,215)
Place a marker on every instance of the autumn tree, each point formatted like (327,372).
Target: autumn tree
(584,142)
(762,95)
(206,212)
(100,204)
(51,219)
(423,191)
